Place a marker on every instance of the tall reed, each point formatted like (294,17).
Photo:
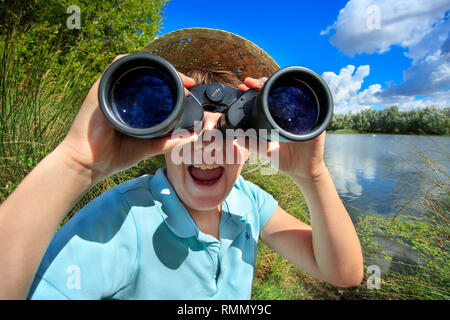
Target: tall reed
(39,98)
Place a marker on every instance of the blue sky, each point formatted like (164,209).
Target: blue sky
(331,37)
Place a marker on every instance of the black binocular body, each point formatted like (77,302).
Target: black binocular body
(142,95)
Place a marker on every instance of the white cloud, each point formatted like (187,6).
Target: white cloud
(420,27)
(348,96)
(440,100)
(430,67)
(401,22)
(345,86)
(370,95)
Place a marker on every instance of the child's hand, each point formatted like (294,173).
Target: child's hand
(94,143)
(304,159)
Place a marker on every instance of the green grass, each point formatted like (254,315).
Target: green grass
(36,107)
(344,131)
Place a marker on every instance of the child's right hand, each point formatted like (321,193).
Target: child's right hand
(93,143)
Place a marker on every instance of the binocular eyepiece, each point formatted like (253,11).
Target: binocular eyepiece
(142,95)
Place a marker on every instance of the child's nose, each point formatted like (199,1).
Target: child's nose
(209,132)
(210,120)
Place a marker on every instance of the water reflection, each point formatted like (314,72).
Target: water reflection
(378,174)
(371,172)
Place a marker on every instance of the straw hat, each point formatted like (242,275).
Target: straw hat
(206,48)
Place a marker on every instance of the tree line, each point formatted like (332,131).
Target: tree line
(429,120)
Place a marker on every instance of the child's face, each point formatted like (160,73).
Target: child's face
(204,189)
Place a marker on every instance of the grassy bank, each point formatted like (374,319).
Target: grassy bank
(352,131)
(344,131)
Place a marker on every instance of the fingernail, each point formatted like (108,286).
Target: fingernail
(262,81)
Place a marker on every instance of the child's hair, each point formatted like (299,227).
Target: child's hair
(208,75)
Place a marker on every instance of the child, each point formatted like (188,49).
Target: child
(188,232)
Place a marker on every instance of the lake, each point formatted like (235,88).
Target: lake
(375,174)
(371,173)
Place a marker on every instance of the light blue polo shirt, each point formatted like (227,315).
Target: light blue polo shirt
(137,241)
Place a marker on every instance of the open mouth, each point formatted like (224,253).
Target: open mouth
(205,174)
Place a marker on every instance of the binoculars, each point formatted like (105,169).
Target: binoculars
(142,95)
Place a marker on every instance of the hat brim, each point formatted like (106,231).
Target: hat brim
(213,48)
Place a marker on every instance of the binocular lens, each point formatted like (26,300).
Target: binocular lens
(294,108)
(143,97)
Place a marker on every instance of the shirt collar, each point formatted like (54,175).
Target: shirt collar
(178,218)
(173,211)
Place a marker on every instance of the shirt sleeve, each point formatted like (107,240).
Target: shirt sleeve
(93,256)
(265,202)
